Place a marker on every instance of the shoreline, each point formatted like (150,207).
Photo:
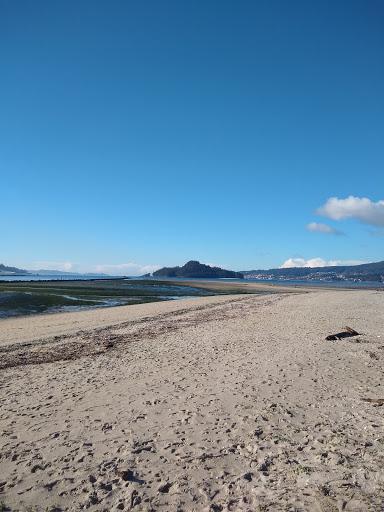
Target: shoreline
(221,287)
(22,329)
(281,286)
(34,298)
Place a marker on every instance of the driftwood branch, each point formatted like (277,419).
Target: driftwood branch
(377,401)
(347,333)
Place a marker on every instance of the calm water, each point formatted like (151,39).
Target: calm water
(315,282)
(288,282)
(54,277)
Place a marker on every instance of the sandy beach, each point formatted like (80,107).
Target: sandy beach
(219,403)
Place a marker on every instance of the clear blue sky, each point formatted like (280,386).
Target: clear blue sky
(157,132)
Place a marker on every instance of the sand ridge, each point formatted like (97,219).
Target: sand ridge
(232,404)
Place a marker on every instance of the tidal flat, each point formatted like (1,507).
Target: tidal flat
(33,297)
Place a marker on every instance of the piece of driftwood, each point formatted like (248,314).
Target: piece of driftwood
(377,401)
(347,333)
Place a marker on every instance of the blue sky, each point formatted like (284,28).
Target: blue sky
(150,133)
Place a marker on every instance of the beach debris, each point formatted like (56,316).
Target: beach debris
(347,333)
(135,498)
(264,466)
(374,401)
(129,476)
(145,446)
(259,432)
(164,488)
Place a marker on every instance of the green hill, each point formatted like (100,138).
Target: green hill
(195,269)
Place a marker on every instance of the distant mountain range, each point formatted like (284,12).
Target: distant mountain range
(195,269)
(6,271)
(364,272)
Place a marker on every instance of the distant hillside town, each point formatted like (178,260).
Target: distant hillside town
(358,273)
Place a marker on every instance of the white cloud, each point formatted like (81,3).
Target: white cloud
(64,266)
(318,227)
(301,262)
(122,269)
(318,262)
(210,264)
(126,269)
(360,208)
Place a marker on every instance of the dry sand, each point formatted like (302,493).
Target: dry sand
(213,404)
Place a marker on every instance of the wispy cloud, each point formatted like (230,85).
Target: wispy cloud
(360,208)
(318,262)
(318,227)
